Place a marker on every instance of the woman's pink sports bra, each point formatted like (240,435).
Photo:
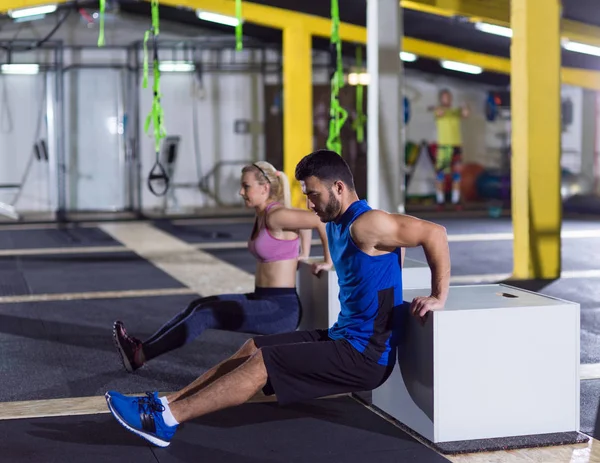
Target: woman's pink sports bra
(266,248)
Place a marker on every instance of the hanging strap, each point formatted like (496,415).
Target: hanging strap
(101,31)
(156,116)
(238,27)
(337,114)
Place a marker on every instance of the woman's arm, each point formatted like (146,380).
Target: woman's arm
(305,243)
(298,219)
(326,255)
(287,219)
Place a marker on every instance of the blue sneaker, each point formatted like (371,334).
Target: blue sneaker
(142,416)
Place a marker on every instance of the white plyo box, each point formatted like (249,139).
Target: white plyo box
(496,362)
(319,295)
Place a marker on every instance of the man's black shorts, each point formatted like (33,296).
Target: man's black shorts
(304,365)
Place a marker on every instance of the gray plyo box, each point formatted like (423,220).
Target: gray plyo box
(496,362)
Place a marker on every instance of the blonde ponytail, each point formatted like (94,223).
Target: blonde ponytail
(280,185)
(284,188)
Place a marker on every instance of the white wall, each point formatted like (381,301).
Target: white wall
(208,136)
(94,144)
(481,143)
(482,140)
(572,134)
(22,124)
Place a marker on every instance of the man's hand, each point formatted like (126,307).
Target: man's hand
(319,267)
(421,306)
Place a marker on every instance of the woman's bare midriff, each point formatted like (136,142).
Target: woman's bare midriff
(281,274)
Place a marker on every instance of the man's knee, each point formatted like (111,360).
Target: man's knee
(249,348)
(258,360)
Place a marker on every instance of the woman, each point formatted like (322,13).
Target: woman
(274,306)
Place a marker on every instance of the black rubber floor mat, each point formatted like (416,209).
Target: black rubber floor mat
(12,283)
(590,407)
(74,439)
(200,233)
(340,430)
(69,345)
(74,273)
(327,430)
(55,238)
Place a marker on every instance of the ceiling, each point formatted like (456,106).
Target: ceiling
(439,29)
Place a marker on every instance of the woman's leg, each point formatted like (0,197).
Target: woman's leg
(131,349)
(236,312)
(244,313)
(226,312)
(181,316)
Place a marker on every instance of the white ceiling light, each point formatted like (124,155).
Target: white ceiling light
(461,67)
(217,18)
(20,69)
(33,11)
(359,78)
(176,66)
(494,29)
(408,57)
(581,48)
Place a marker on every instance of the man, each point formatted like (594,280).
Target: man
(356,354)
(449,151)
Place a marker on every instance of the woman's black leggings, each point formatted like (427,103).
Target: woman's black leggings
(265,311)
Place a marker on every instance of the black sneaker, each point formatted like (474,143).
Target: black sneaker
(129,347)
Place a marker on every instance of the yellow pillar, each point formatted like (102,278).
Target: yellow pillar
(297,103)
(536,138)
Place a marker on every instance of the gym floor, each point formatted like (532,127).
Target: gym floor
(61,290)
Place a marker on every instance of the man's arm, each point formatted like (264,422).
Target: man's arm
(380,231)
(465,111)
(438,111)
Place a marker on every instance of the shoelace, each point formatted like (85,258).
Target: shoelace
(149,404)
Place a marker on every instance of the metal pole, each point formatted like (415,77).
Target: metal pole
(61,179)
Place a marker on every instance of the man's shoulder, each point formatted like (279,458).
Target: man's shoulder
(372,217)
(369,224)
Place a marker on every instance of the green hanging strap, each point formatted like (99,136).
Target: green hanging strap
(238,27)
(337,114)
(359,123)
(101,32)
(158,173)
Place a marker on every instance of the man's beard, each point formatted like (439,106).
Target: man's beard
(332,210)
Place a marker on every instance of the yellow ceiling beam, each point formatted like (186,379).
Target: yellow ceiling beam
(571,76)
(274,17)
(498,12)
(280,18)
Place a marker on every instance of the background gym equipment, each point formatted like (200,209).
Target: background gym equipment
(158,174)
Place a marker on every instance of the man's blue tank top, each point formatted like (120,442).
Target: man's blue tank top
(370,290)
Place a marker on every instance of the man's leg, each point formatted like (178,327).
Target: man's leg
(223,368)
(246,351)
(232,382)
(234,388)
(456,175)
(157,421)
(442,167)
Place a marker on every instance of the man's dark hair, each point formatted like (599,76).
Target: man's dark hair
(325,165)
